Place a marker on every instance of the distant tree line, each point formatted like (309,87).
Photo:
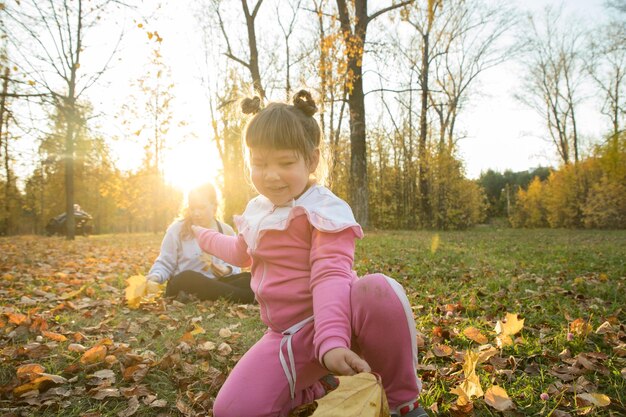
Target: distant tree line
(392,81)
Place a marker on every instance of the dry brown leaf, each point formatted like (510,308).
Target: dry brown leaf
(224,349)
(104,392)
(133,406)
(497,398)
(595,398)
(442,350)
(360,395)
(474,334)
(136,372)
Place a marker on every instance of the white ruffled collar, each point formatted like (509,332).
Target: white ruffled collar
(325,211)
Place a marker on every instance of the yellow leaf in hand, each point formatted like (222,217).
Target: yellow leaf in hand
(360,395)
(135,289)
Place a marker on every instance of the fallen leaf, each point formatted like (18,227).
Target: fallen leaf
(133,406)
(598,399)
(224,349)
(442,350)
(580,327)
(474,334)
(197,329)
(468,389)
(497,398)
(30,371)
(54,336)
(225,333)
(94,355)
(510,326)
(41,383)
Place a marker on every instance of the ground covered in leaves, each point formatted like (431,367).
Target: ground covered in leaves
(510,322)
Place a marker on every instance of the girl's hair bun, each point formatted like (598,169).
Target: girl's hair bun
(251,105)
(303,101)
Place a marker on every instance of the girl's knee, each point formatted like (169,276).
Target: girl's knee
(373,287)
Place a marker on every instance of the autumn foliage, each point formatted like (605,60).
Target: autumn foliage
(591,193)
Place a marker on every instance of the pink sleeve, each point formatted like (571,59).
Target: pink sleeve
(332,256)
(232,249)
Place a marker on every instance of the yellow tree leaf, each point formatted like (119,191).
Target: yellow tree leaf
(595,398)
(511,325)
(360,395)
(497,398)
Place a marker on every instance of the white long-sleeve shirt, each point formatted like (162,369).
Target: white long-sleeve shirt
(178,255)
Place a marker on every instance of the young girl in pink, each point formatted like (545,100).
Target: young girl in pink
(299,240)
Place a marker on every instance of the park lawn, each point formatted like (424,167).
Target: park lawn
(69,344)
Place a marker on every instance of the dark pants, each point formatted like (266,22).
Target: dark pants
(233,287)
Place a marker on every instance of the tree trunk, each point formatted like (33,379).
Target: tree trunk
(425,210)
(4,228)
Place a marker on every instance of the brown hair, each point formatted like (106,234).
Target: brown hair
(204,192)
(283,126)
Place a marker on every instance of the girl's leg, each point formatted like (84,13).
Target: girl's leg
(384,330)
(204,288)
(257,385)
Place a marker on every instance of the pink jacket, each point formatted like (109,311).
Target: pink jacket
(301,257)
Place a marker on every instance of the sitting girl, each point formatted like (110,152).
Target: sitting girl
(299,239)
(186,268)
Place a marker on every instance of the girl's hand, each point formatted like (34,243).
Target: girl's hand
(342,361)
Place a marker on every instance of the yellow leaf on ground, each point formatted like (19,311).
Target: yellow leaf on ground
(73,294)
(474,334)
(595,398)
(467,389)
(54,336)
(197,329)
(580,327)
(511,325)
(94,355)
(497,398)
(41,383)
(469,363)
(30,371)
(434,243)
(360,395)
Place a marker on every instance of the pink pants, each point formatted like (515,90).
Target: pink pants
(383,333)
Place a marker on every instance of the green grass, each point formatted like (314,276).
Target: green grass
(472,278)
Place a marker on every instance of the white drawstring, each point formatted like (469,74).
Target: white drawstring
(290,373)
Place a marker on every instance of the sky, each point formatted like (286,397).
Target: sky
(505,134)
(500,133)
